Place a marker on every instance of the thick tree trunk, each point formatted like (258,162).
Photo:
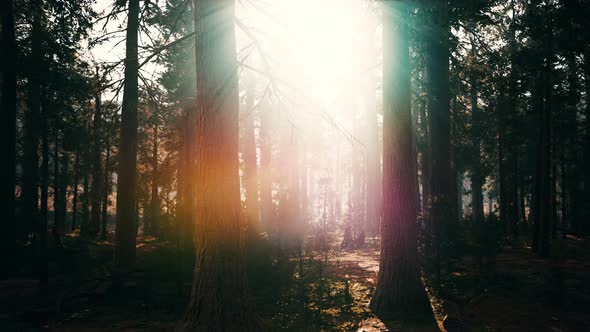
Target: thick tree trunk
(399,291)
(127,174)
(218,298)
(8,106)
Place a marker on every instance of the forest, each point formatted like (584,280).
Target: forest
(295,165)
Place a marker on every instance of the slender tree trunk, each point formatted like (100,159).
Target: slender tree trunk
(127,174)
(75,189)
(57,222)
(249,155)
(42,256)
(399,291)
(218,298)
(155,202)
(85,201)
(8,106)
(476,176)
(106,189)
(97,179)
(266,204)
(542,213)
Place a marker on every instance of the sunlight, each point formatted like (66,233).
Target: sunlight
(314,46)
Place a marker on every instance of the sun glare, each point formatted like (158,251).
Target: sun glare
(314,47)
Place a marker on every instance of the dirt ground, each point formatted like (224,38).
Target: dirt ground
(519,292)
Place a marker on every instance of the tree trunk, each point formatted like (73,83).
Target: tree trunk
(106,189)
(75,189)
(250,175)
(584,197)
(218,298)
(476,176)
(97,180)
(8,107)
(399,291)
(266,203)
(32,119)
(442,208)
(57,222)
(42,255)
(85,201)
(127,174)
(155,200)
(542,215)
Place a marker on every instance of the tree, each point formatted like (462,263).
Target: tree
(250,160)
(127,172)
(399,291)
(441,206)
(8,106)
(218,298)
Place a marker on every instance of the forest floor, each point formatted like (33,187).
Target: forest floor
(319,291)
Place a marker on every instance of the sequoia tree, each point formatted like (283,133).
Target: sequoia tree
(218,298)
(399,291)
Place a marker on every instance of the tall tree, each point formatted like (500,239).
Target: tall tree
(97,180)
(127,172)
(31,143)
(218,299)
(8,106)
(476,173)
(437,62)
(399,291)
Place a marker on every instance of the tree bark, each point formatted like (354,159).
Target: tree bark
(97,179)
(8,106)
(218,298)
(32,118)
(442,208)
(127,174)
(399,291)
